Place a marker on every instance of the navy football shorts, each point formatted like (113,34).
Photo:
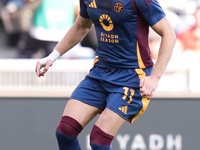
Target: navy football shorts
(114,88)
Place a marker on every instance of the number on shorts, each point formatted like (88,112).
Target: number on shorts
(126,89)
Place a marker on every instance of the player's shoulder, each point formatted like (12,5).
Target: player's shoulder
(143,3)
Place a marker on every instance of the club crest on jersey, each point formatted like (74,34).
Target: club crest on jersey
(118,7)
(106,22)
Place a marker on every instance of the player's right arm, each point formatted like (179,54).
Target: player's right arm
(75,34)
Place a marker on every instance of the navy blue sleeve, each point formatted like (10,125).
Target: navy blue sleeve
(83,10)
(150,10)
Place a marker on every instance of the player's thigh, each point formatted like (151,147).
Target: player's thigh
(110,122)
(81,112)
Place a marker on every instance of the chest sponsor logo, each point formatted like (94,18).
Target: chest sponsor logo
(106,22)
(109,38)
(107,25)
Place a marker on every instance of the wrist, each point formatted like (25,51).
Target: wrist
(157,77)
(55,54)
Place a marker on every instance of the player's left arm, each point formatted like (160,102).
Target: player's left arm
(149,84)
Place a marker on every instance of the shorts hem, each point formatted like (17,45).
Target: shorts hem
(118,112)
(84,101)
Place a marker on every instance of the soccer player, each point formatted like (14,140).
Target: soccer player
(122,80)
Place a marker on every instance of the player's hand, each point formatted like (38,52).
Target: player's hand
(43,66)
(148,86)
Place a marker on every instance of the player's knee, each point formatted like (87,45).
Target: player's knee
(69,126)
(67,132)
(99,139)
